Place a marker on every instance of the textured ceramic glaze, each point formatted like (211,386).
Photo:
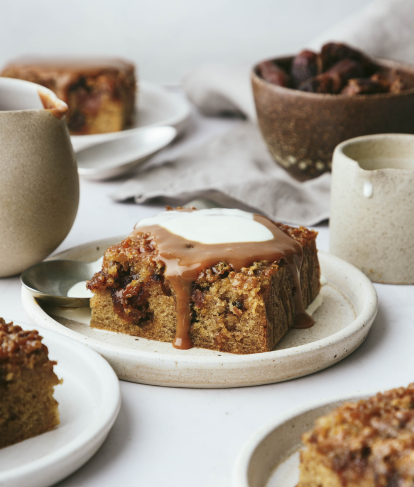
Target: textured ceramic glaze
(270,458)
(342,324)
(89,402)
(302,129)
(39,184)
(372,206)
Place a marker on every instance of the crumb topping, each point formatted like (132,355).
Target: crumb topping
(20,347)
(371,438)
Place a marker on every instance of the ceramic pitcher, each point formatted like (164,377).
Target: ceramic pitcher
(39,184)
(372,206)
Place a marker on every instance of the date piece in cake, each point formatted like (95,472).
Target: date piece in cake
(27,381)
(100,93)
(225,280)
(369,443)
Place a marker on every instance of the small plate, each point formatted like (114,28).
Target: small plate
(113,158)
(342,324)
(271,457)
(155,107)
(89,401)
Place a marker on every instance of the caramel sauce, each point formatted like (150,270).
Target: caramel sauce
(185,259)
(53,105)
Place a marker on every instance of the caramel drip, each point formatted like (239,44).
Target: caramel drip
(185,259)
(52,104)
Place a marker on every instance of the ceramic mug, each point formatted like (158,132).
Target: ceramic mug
(372,206)
(39,183)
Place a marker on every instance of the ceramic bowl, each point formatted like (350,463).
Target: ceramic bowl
(372,206)
(39,184)
(302,129)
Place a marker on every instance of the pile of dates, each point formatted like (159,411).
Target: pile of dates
(338,69)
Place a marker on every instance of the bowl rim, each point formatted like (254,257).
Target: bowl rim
(386,62)
(339,150)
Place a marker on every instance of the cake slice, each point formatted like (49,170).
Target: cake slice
(220,286)
(364,444)
(27,381)
(99,92)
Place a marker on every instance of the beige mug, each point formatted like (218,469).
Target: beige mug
(372,206)
(39,183)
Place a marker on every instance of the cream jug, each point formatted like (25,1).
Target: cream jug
(372,206)
(39,183)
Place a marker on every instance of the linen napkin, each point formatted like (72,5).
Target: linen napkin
(235,169)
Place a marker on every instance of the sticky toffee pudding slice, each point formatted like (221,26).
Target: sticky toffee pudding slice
(362,444)
(179,278)
(27,381)
(100,92)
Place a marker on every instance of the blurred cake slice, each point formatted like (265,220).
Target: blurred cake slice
(27,381)
(99,92)
(368,443)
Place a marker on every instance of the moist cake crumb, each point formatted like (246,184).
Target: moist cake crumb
(27,381)
(244,311)
(361,444)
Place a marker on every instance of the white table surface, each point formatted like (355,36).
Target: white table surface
(188,437)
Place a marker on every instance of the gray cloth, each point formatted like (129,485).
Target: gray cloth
(235,168)
(217,89)
(383,29)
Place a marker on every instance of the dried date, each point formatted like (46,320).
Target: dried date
(333,80)
(392,81)
(334,52)
(305,65)
(338,69)
(273,73)
(363,86)
(377,83)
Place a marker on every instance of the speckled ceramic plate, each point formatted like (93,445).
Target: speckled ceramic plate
(89,402)
(271,457)
(342,324)
(155,107)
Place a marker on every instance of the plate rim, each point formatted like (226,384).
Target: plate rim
(365,315)
(114,170)
(345,341)
(81,448)
(242,464)
(178,121)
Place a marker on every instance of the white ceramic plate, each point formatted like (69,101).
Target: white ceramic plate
(155,107)
(342,324)
(89,401)
(113,158)
(271,457)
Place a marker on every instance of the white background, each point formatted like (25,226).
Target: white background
(167,38)
(168,437)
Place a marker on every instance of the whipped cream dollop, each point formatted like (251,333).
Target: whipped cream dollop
(212,226)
